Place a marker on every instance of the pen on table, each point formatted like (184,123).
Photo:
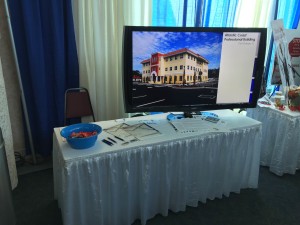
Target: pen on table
(111,140)
(119,138)
(107,142)
(173,126)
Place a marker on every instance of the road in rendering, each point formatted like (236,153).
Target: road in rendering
(162,95)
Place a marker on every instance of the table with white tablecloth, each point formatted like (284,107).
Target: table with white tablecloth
(280,138)
(121,183)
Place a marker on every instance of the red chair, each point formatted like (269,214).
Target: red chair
(77,105)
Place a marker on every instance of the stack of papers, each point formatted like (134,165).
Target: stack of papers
(199,125)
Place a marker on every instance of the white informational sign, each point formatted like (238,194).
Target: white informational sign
(239,51)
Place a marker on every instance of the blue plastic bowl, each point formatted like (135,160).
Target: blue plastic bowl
(81,143)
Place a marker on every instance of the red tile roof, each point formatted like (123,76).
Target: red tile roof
(179,51)
(183,50)
(145,61)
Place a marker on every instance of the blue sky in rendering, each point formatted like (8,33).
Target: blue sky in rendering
(206,44)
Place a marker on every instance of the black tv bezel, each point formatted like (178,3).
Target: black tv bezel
(128,67)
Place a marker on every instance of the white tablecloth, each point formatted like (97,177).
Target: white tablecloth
(117,184)
(281,139)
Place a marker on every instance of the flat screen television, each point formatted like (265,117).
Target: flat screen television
(189,69)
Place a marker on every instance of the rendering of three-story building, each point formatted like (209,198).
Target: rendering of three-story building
(182,66)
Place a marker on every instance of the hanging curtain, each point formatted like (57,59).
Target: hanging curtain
(289,11)
(194,13)
(45,44)
(99,31)
(255,13)
(167,13)
(219,13)
(181,13)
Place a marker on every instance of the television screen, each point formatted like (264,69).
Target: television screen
(188,69)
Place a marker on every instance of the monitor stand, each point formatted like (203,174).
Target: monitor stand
(191,114)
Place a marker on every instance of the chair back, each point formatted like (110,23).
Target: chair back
(77,104)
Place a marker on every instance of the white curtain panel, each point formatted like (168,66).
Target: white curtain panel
(7,132)
(255,13)
(99,32)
